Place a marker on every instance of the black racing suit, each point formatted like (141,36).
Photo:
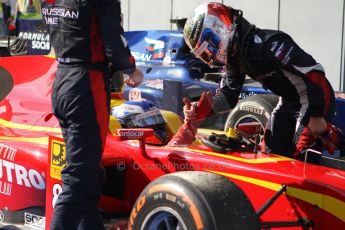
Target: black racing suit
(84,34)
(281,66)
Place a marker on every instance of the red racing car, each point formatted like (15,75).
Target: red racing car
(218,182)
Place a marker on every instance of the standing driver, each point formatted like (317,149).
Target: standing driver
(87,37)
(220,36)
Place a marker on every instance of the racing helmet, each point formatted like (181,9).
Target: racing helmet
(209,32)
(142,114)
(131,108)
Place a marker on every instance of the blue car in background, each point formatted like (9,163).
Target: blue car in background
(163,55)
(172,72)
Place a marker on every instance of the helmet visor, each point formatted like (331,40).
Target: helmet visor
(213,41)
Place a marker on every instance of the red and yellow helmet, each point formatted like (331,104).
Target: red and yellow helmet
(209,32)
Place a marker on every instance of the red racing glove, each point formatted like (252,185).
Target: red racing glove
(186,133)
(329,139)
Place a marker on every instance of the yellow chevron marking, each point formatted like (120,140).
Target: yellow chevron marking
(241,159)
(36,140)
(329,204)
(251,161)
(29,127)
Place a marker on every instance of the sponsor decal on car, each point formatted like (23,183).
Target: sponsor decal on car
(134,94)
(156,47)
(133,134)
(58,158)
(130,133)
(34,221)
(11,172)
(141,56)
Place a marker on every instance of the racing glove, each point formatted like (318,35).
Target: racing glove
(195,115)
(329,139)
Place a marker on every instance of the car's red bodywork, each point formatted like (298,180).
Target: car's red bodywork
(314,192)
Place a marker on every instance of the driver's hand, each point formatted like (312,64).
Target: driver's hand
(134,79)
(317,126)
(189,110)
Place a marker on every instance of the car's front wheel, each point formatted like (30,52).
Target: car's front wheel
(193,200)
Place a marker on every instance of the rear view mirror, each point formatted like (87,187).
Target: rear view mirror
(140,134)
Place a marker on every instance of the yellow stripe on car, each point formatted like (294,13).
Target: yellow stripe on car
(36,140)
(256,160)
(33,128)
(328,203)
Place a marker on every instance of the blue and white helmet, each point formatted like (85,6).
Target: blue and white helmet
(142,114)
(131,108)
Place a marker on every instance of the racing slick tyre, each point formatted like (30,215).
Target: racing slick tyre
(191,200)
(255,108)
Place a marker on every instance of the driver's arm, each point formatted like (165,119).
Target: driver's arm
(109,19)
(283,51)
(308,76)
(116,47)
(230,89)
